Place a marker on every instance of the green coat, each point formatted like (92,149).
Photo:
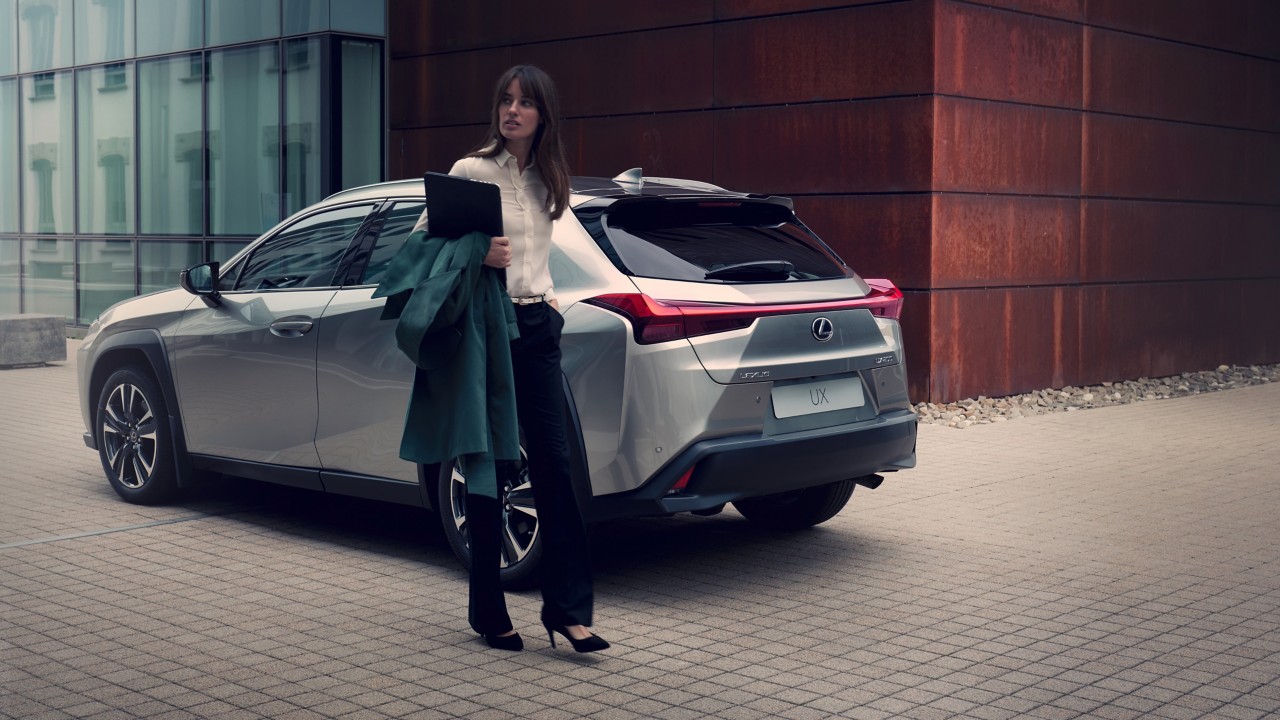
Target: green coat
(456,324)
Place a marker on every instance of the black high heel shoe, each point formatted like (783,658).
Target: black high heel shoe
(591,643)
(505,642)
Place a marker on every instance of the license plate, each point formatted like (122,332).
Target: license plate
(817,396)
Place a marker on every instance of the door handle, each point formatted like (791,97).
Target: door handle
(291,327)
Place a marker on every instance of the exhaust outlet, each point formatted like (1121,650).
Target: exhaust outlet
(870,482)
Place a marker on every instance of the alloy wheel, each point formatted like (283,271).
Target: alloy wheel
(519,515)
(129,435)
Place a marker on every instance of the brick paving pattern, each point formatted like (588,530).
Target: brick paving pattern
(1113,563)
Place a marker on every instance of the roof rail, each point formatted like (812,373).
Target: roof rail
(357,188)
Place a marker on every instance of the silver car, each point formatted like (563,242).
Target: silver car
(715,351)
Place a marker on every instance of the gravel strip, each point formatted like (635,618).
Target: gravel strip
(985,410)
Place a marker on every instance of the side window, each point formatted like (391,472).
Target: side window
(305,254)
(398,225)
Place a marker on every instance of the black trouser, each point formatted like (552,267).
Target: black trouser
(565,566)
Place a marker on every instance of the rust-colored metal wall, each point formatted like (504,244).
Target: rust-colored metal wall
(1108,191)
(1069,191)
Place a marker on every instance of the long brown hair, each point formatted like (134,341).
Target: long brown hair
(548,148)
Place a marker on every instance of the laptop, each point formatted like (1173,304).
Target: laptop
(457,206)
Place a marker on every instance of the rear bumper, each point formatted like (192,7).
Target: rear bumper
(728,469)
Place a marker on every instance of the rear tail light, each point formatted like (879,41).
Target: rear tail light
(884,300)
(655,321)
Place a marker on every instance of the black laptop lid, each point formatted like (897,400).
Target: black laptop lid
(457,206)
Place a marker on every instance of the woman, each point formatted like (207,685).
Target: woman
(523,155)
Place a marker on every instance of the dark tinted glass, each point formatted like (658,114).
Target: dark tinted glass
(395,229)
(306,254)
(710,242)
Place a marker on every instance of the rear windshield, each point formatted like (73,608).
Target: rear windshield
(722,242)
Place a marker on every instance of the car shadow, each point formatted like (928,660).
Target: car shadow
(383,527)
(726,550)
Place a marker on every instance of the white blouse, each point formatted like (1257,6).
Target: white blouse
(524,219)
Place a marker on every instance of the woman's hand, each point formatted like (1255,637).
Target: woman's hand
(499,255)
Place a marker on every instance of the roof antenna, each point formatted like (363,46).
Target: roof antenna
(634,176)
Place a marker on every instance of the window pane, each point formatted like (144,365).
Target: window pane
(9,301)
(104,30)
(44,34)
(48,161)
(305,16)
(702,243)
(169,25)
(159,262)
(106,276)
(302,128)
(237,21)
(359,16)
(106,149)
(361,104)
(224,250)
(244,117)
(10,175)
(48,277)
(306,254)
(171,173)
(8,37)
(397,226)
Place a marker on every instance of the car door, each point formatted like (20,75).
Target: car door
(245,367)
(364,380)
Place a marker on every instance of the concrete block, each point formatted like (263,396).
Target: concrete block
(30,338)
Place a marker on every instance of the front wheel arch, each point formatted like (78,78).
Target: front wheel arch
(143,349)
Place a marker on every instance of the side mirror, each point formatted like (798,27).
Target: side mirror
(202,280)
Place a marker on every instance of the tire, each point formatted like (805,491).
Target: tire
(797,509)
(134,439)
(522,541)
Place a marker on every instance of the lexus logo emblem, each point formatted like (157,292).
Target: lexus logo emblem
(823,329)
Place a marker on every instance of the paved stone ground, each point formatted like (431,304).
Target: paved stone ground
(1113,563)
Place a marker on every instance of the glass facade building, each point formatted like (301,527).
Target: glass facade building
(140,137)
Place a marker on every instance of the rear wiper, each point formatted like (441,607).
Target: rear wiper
(758,270)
